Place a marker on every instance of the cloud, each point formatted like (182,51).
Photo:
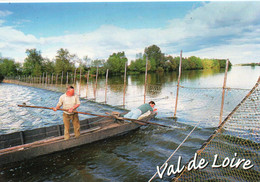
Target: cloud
(5,13)
(1,22)
(214,30)
(245,53)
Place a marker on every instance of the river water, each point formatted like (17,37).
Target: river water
(134,156)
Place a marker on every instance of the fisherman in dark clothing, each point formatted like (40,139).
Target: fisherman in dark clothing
(136,112)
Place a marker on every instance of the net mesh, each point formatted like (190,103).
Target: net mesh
(237,137)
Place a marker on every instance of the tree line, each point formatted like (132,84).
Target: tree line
(35,65)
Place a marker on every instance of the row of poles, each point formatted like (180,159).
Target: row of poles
(223,90)
(44,79)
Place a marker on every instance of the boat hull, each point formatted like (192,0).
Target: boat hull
(103,129)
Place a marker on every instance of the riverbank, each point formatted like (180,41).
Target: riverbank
(249,64)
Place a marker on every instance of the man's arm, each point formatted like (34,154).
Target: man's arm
(74,107)
(58,105)
(56,108)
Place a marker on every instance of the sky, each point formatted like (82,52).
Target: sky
(212,29)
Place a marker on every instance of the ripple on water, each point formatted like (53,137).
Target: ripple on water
(132,157)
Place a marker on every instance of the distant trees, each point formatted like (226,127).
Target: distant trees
(116,63)
(155,55)
(8,67)
(157,61)
(63,61)
(97,63)
(35,65)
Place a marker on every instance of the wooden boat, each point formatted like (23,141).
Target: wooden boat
(28,144)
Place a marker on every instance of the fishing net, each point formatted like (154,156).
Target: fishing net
(237,138)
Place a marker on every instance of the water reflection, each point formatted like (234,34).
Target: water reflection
(162,88)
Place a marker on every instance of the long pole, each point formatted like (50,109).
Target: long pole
(106,87)
(87,85)
(74,82)
(61,80)
(79,81)
(223,93)
(141,122)
(43,78)
(46,81)
(145,81)
(96,83)
(178,86)
(124,84)
(52,78)
(56,82)
(67,80)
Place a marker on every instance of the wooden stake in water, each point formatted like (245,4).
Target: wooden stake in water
(43,78)
(145,79)
(87,84)
(56,82)
(46,81)
(223,93)
(79,81)
(67,80)
(52,78)
(74,82)
(178,86)
(61,80)
(96,84)
(106,87)
(124,85)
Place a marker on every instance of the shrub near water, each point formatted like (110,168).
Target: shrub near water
(1,77)
(213,63)
(194,63)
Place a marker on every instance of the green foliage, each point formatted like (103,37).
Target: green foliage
(64,61)
(207,63)
(138,65)
(154,53)
(185,64)
(8,67)
(195,63)
(33,63)
(48,66)
(116,63)
(173,63)
(97,63)
(100,64)
(152,64)
(249,64)
(160,69)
